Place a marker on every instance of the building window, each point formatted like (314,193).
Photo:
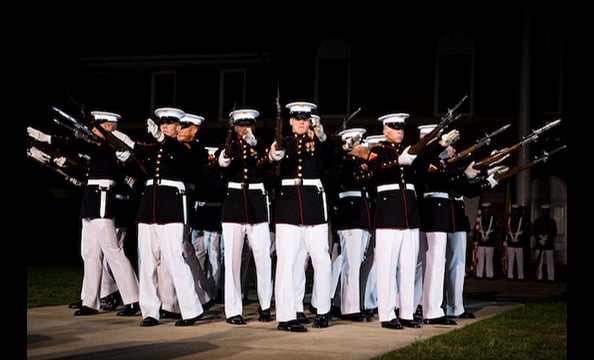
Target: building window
(333,77)
(232,91)
(163,86)
(454,74)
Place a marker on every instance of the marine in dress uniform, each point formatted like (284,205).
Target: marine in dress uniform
(436,213)
(353,222)
(516,239)
(99,239)
(301,217)
(246,214)
(162,216)
(544,230)
(396,222)
(485,233)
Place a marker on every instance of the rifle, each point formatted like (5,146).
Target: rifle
(229,138)
(278,127)
(543,158)
(83,132)
(68,178)
(48,150)
(347,119)
(446,120)
(486,140)
(525,140)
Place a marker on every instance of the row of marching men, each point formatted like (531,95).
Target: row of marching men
(379,197)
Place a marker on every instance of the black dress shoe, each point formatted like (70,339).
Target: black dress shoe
(164,314)
(264,315)
(112,301)
(206,306)
(440,321)
(357,317)
(302,318)
(75,305)
(465,315)
(392,324)
(418,315)
(410,323)
(129,310)
(85,310)
(312,309)
(236,320)
(321,321)
(188,322)
(292,326)
(335,311)
(149,321)
(367,314)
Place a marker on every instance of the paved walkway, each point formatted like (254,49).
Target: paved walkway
(54,333)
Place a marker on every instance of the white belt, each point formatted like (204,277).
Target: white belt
(459,198)
(389,187)
(101,182)
(304,182)
(352,193)
(198,204)
(435,194)
(241,186)
(164,182)
(122,197)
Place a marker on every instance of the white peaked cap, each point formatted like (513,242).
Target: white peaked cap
(105,116)
(315,117)
(349,133)
(486,204)
(169,112)
(545,206)
(194,119)
(301,107)
(426,129)
(244,114)
(211,149)
(375,139)
(394,118)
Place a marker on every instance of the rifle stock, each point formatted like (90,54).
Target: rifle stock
(118,145)
(517,169)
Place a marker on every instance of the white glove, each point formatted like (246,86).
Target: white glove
(60,161)
(123,156)
(124,138)
(450,138)
(130,181)
(505,243)
(318,129)
(497,170)
(492,181)
(351,142)
(405,158)
(223,160)
(471,172)
(38,155)
(495,152)
(75,182)
(542,241)
(154,130)
(38,135)
(274,154)
(250,138)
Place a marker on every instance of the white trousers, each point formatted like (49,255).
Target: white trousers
(542,257)
(258,237)
(435,260)
(353,244)
(396,249)
(455,273)
(485,262)
(291,240)
(98,241)
(515,255)
(207,245)
(164,244)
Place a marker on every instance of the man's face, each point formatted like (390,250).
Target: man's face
(393,135)
(107,125)
(187,134)
(170,129)
(299,126)
(240,130)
